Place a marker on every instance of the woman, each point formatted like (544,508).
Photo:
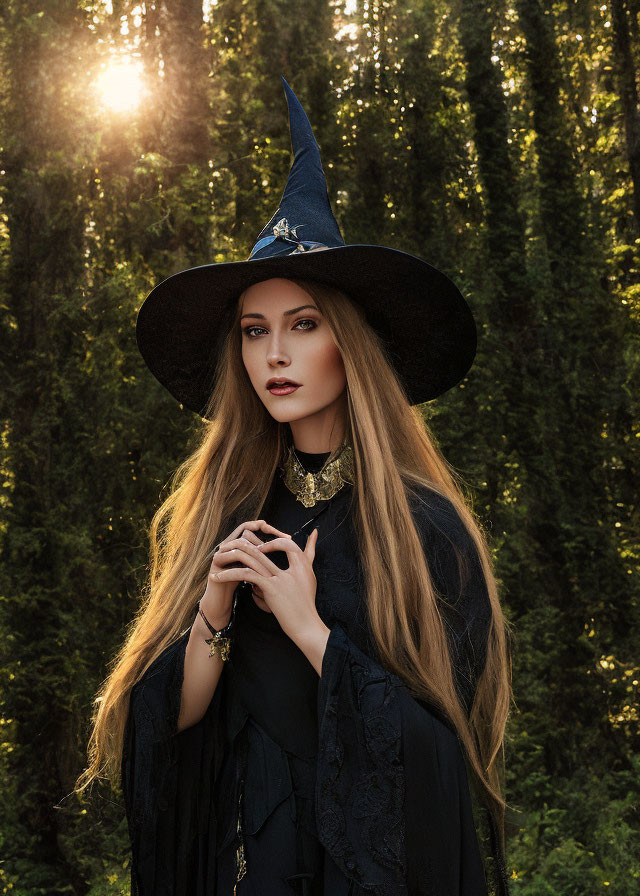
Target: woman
(313,695)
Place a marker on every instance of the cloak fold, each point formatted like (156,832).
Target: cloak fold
(392,802)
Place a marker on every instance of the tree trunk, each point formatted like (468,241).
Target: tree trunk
(629,97)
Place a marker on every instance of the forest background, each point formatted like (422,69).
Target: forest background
(500,142)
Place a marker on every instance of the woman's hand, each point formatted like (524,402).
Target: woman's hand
(289,593)
(218,597)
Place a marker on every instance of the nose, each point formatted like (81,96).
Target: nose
(276,355)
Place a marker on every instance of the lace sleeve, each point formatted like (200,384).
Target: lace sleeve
(360,776)
(393,803)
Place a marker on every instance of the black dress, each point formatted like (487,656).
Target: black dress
(338,785)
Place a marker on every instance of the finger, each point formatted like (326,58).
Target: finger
(280,544)
(251,536)
(242,543)
(241,551)
(258,525)
(259,598)
(247,537)
(310,546)
(239,574)
(243,531)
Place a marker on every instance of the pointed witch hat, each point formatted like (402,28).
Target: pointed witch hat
(420,314)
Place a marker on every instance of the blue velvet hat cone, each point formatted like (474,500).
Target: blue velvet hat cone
(304,219)
(424,321)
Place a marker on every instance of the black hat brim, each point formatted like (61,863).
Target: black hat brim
(426,324)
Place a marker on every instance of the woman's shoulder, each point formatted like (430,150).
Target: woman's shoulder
(436,514)
(450,549)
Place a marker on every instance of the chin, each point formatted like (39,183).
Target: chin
(287,415)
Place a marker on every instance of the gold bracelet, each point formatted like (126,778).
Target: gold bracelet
(221,640)
(219,645)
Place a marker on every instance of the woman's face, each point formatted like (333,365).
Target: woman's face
(282,339)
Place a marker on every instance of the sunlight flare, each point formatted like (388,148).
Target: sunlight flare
(120,85)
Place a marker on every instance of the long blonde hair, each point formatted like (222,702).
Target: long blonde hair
(239,448)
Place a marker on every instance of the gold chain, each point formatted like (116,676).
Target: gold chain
(241,861)
(309,488)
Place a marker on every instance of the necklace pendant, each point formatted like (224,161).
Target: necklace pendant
(306,499)
(309,488)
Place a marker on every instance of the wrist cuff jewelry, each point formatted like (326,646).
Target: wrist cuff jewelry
(221,640)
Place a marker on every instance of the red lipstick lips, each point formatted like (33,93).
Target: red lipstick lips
(279,385)
(282,390)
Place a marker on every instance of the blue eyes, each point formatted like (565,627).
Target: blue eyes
(246,330)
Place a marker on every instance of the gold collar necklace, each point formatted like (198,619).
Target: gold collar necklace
(309,488)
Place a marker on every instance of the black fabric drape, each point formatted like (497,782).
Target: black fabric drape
(375,779)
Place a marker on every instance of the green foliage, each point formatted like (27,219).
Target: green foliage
(490,140)
(588,845)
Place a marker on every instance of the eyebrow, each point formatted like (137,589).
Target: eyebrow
(284,313)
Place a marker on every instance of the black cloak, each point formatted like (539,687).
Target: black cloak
(343,784)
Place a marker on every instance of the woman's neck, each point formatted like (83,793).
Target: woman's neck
(312,461)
